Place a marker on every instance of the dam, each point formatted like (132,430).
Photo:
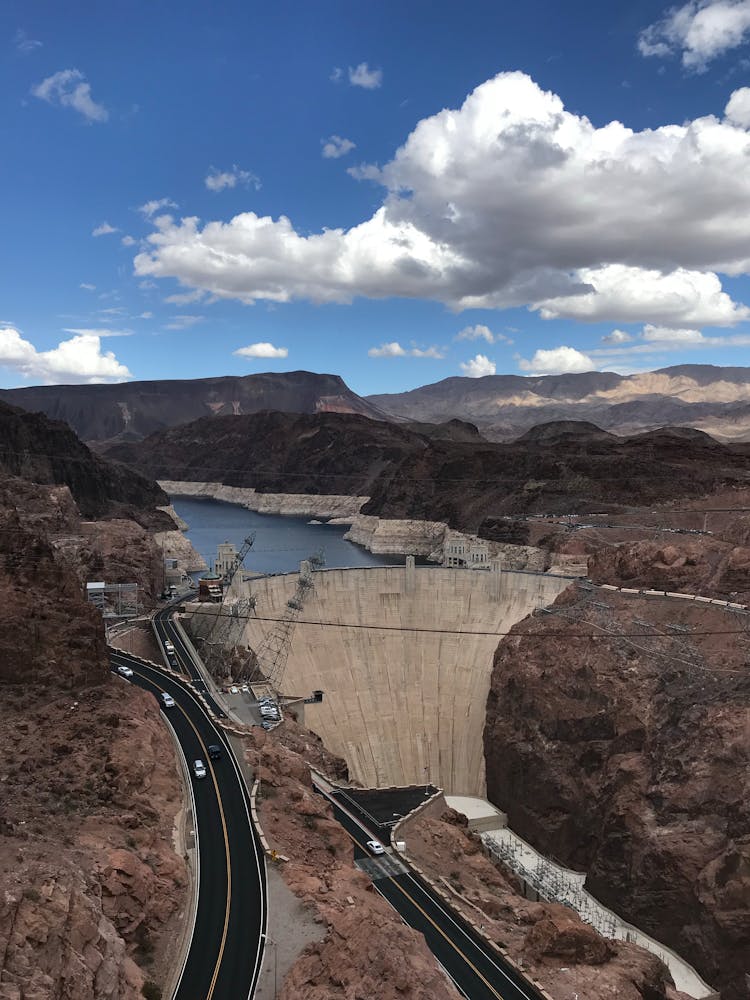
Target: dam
(405,681)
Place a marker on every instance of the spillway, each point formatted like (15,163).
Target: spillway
(404,706)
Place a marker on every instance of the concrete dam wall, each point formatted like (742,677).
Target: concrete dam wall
(401,706)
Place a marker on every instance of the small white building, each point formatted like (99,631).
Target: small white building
(469,552)
(226,557)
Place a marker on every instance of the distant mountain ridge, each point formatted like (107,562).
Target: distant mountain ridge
(129,411)
(707,397)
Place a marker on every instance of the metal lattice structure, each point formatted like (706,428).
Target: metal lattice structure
(273,652)
(238,560)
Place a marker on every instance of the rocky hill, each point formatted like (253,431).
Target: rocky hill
(132,410)
(462,479)
(44,451)
(711,398)
(628,758)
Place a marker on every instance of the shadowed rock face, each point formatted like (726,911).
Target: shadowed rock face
(132,410)
(45,451)
(442,473)
(629,759)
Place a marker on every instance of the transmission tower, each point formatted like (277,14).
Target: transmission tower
(228,625)
(238,560)
(273,651)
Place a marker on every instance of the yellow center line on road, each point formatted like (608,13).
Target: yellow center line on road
(439,929)
(225,929)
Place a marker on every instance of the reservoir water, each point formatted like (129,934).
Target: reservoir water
(280,543)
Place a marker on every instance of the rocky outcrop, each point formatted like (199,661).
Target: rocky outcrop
(628,759)
(47,452)
(132,410)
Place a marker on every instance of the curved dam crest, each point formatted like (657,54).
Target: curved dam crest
(402,707)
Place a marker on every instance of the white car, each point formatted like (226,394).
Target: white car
(375,847)
(124,670)
(167,701)
(199,769)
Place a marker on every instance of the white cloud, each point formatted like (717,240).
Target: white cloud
(79,359)
(68,89)
(218,180)
(392,350)
(482,208)
(146,315)
(335,146)
(183,322)
(617,337)
(88,287)
(557,361)
(671,336)
(24,44)
(262,350)
(128,241)
(395,350)
(427,352)
(737,110)
(149,208)
(479,332)
(184,298)
(700,30)
(363,76)
(478,366)
(100,332)
(337,74)
(104,229)
(626,294)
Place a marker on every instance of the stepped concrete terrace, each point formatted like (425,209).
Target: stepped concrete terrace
(401,707)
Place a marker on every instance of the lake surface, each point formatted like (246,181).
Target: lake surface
(281,543)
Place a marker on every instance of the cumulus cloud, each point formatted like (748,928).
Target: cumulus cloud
(184,298)
(363,76)
(481,332)
(482,208)
(100,332)
(87,286)
(79,359)
(479,366)
(149,208)
(392,350)
(183,322)
(557,361)
(128,241)
(737,110)
(395,350)
(700,30)
(617,337)
(337,74)
(671,336)
(262,350)
(104,229)
(219,180)
(68,89)
(335,146)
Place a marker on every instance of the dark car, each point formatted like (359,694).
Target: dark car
(214,752)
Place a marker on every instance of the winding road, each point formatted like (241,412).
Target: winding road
(225,954)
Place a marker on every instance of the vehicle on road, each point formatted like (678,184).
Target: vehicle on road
(375,847)
(214,752)
(124,670)
(168,647)
(167,701)
(267,724)
(199,769)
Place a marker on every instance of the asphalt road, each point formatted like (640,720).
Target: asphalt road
(165,629)
(477,971)
(225,955)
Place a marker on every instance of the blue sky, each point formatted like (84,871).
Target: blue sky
(283,180)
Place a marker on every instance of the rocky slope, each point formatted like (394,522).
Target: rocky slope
(463,483)
(132,410)
(712,398)
(45,451)
(628,758)
(90,888)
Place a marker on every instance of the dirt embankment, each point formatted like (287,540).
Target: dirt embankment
(550,942)
(367,951)
(628,757)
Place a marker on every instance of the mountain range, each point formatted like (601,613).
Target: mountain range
(710,398)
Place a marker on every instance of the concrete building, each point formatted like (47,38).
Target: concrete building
(460,551)
(225,559)
(405,703)
(210,587)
